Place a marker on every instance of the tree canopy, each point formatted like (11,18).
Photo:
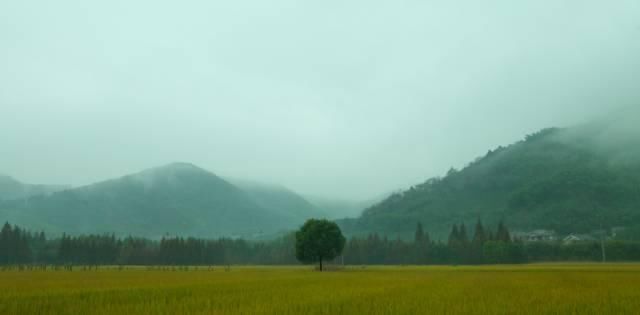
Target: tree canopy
(567,180)
(318,241)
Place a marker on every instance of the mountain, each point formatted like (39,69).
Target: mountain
(569,180)
(11,188)
(280,200)
(341,208)
(179,198)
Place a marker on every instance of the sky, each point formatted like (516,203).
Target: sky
(348,99)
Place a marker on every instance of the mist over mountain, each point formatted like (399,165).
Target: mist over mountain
(384,95)
(10,188)
(615,136)
(571,180)
(280,200)
(336,208)
(179,198)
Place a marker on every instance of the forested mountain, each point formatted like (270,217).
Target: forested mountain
(570,180)
(179,198)
(340,208)
(280,200)
(10,188)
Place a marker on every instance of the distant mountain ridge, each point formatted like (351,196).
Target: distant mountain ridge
(340,208)
(279,199)
(176,199)
(571,180)
(10,188)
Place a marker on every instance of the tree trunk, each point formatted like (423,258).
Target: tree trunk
(320,264)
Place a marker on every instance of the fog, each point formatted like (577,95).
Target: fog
(350,99)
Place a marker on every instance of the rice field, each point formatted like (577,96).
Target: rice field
(529,289)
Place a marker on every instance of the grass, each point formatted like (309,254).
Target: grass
(530,289)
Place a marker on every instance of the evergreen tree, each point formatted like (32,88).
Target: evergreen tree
(463,238)
(502,234)
(477,244)
(5,241)
(463,247)
(419,235)
(490,235)
(479,235)
(420,246)
(454,236)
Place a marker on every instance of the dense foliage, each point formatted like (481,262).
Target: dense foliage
(568,180)
(15,245)
(466,247)
(318,241)
(179,199)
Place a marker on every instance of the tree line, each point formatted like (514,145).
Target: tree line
(482,247)
(464,246)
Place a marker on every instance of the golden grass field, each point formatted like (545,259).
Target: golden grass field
(529,289)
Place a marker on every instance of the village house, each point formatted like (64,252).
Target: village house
(536,236)
(575,238)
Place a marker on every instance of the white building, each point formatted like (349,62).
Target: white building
(536,236)
(574,238)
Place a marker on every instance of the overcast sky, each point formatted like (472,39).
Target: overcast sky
(348,99)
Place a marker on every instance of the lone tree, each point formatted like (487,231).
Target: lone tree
(319,240)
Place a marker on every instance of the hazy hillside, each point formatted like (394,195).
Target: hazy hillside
(177,199)
(570,180)
(340,208)
(10,188)
(280,200)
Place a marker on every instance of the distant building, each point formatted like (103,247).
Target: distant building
(617,230)
(575,238)
(536,236)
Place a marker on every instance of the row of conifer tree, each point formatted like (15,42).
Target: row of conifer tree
(482,246)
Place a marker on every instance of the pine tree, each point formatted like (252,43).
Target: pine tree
(479,235)
(6,231)
(24,254)
(463,238)
(419,235)
(15,242)
(463,245)
(502,234)
(479,238)
(64,251)
(490,235)
(427,238)
(5,243)
(420,246)
(454,236)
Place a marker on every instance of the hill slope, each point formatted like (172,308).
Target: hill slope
(11,188)
(570,180)
(340,208)
(279,199)
(178,198)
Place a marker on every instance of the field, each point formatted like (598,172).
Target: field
(529,289)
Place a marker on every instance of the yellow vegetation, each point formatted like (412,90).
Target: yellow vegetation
(531,289)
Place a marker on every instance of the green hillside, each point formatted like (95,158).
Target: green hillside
(570,180)
(340,208)
(280,200)
(175,199)
(11,189)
